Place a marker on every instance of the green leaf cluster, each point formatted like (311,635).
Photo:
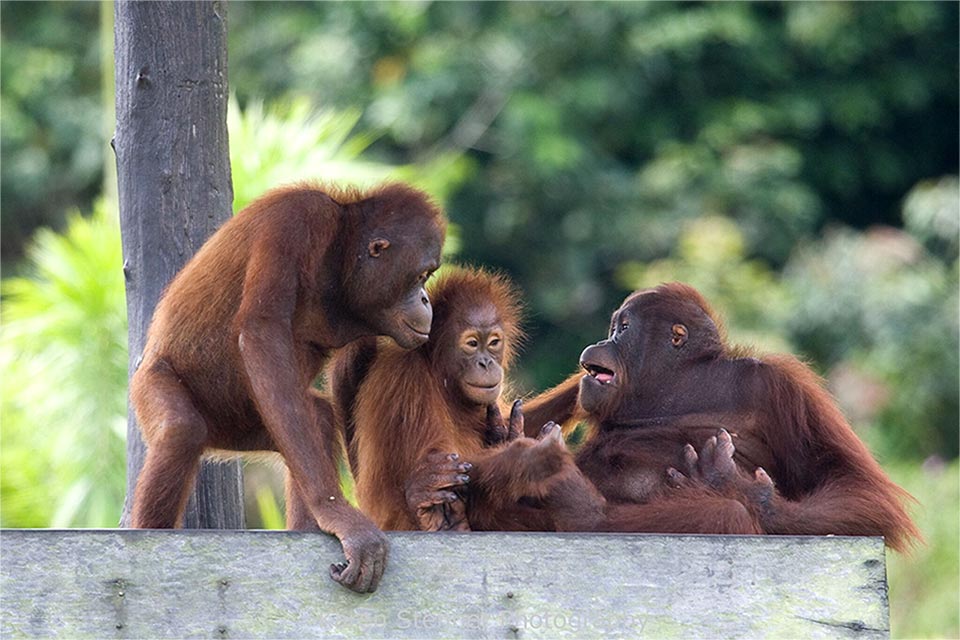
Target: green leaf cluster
(64,360)
(596,135)
(53,138)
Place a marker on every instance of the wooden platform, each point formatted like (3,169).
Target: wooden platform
(266,584)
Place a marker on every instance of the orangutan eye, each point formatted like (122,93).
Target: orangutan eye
(617,327)
(494,343)
(473,343)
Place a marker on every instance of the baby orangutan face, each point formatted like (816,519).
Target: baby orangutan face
(476,360)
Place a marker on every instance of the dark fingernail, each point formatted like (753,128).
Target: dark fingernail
(466,466)
(463,479)
(454,457)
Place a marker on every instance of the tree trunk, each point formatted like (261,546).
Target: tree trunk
(173,172)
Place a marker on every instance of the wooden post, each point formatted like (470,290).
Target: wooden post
(173,173)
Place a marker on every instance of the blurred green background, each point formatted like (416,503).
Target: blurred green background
(796,162)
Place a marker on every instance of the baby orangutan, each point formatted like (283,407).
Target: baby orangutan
(427,446)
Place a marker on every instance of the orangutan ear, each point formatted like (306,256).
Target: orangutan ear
(680,335)
(377,246)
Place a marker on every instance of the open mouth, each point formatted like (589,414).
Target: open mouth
(598,373)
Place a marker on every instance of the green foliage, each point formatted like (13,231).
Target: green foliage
(64,333)
(63,353)
(52,140)
(595,132)
(881,315)
(930,214)
(270,514)
(292,143)
(924,585)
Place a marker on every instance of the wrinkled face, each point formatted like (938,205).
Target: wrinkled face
(387,289)
(475,356)
(605,362)
(647,345)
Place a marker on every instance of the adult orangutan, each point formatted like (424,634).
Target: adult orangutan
(422,425)
(776,455)
(244,328)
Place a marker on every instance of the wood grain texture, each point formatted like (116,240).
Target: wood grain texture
(257,584)
(174,187)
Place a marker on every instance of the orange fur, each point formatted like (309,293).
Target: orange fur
(398,406)
(776,410)
(242,331)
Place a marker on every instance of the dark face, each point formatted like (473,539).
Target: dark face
(652,344)
(387,288)
(474,356)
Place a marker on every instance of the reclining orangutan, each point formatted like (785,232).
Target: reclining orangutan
(775,453)
(423,425)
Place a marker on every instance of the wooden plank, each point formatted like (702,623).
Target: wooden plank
(242,584)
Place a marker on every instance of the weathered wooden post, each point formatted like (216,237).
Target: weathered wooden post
(173,173)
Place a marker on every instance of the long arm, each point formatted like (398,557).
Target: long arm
(532,485)
(278,378)
(346,372)
(558,404)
